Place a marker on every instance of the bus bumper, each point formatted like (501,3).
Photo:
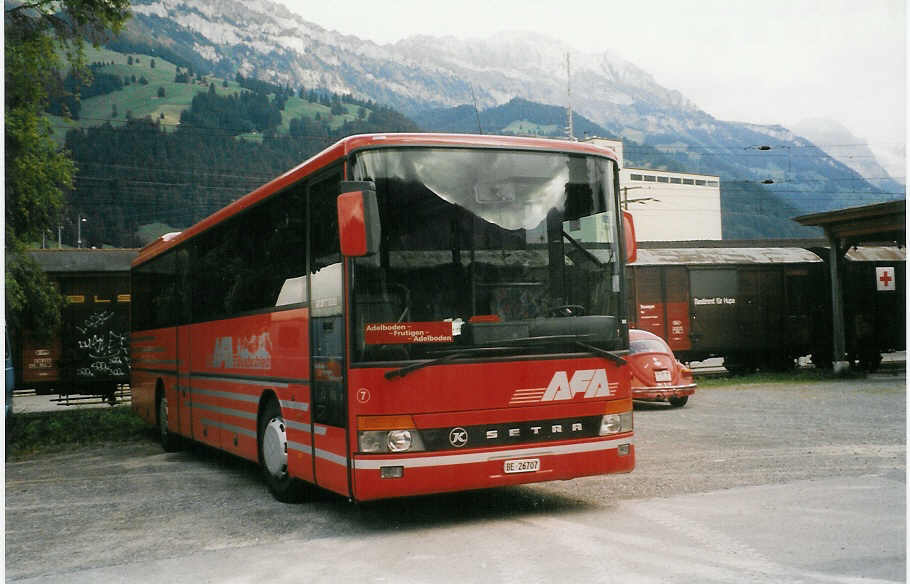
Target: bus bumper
(385,476)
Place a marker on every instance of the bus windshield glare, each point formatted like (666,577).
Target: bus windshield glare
(509,252)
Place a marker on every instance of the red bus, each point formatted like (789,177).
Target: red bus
(399,315)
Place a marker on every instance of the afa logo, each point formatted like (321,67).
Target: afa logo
(590,383)
(253,352)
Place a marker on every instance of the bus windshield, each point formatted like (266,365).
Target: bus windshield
(512,252)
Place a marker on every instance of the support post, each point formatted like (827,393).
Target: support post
(839,357)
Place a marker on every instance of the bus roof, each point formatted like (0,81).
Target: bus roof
(351,144)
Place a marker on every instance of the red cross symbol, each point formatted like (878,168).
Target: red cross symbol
(885,279)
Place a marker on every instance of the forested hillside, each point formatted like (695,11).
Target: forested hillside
(177,166)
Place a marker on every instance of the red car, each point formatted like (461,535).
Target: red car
(656,374)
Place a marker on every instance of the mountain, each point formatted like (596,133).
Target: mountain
(843,145)
(265,40)
(748,210)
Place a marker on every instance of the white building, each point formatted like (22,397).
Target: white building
(668,206)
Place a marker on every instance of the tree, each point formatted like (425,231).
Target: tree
(35,33)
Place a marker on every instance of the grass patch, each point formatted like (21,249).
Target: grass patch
(771,377)
(33,433)
(151,231)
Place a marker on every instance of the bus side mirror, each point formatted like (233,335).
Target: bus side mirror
(628,232)
(358,219)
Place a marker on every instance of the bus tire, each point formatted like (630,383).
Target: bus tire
(170,442)
(678,402)
(273,459)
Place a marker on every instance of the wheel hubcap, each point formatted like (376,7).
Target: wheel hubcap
(275,448)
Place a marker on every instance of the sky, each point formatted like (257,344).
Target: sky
(761,61)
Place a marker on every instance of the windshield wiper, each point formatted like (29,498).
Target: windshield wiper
(602,352)
(520,341)
(575,339)
(450,357)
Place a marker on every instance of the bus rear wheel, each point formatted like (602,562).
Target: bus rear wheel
(273,454)
(169,441)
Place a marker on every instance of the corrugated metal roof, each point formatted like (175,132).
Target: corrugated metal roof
(877,254)
(725,255)
(84,260)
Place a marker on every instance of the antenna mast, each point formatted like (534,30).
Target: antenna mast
(569,128)
(476,111)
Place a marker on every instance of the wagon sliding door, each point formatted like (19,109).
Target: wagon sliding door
(759,311)
(713,302)
(662,305)
(676,292)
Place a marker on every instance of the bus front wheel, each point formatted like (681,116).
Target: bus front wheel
(273,454)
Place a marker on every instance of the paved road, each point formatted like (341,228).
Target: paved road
(766,483)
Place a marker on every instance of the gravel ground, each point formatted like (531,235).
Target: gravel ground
(111,505)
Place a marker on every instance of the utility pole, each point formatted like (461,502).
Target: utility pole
(569,128)
(79,231)
(625,196)
(60,237)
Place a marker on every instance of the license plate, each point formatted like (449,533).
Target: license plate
(522,465)
(662,375)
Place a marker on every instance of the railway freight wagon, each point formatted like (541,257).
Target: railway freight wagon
(755,307)
(90,352)
(875,305)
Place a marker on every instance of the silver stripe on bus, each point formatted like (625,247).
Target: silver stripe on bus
(298,426)
(227,411)
(320,430)
(148,349)
(225,394)
(453,459)
(300,447)
(159,361)
(242,380)
(292,405)
(331,457)
(228,427)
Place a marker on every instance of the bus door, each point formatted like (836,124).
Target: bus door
(184,393)
(327,340)
(182,309)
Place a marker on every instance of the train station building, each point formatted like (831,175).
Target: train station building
(668,206)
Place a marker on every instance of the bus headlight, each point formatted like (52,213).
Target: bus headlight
(616,423)
(378,441)
(378,434)
(399,440)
